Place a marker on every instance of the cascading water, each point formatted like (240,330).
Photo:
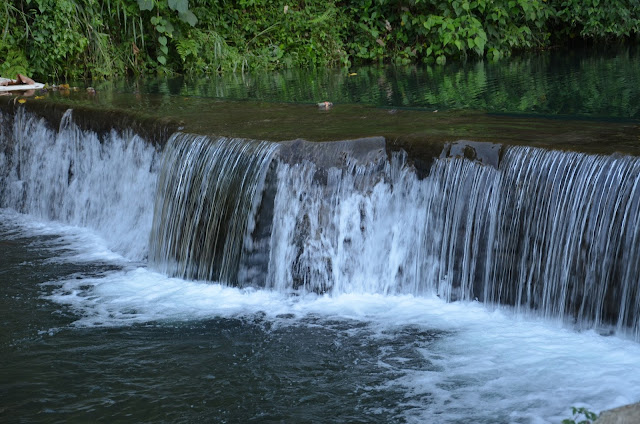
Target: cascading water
(551,231)
(208,194)
(105,183)
(565,234)
(326,259)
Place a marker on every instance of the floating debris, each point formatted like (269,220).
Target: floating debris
(325,105)
(21,83)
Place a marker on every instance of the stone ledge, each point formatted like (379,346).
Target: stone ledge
(628,414)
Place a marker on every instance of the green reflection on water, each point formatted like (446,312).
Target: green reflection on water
(601,84)
(577,101)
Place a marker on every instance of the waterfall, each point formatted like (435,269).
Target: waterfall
(565,235)
(556,232)
(101,182)
(382,231)
(207,198)
(547,231)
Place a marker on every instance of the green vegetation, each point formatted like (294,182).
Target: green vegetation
(71,39)
(578,414)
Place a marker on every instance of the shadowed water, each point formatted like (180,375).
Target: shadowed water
(588,83)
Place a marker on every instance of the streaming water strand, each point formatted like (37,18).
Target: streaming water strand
(207,195)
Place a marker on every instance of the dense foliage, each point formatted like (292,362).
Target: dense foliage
(104,38)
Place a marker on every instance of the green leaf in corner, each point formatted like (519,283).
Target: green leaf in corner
(181,6)
(188,17)
(145,4)
(162,60)
(162,40)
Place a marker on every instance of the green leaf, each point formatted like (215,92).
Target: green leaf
(145,4)
(480,42)
(188,17)
(162,60)
(180,6)
(168,28)
(162,40)
(164,49)
(458,44)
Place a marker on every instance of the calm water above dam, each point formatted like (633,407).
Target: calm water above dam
(408,277)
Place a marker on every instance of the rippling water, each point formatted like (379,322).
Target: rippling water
(590,83)
(90,336)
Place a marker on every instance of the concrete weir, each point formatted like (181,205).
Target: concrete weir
(416,208)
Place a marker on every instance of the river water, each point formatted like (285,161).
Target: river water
(96,331)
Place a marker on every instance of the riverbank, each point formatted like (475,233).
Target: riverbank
(74,39)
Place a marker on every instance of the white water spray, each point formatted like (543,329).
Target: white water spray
(104,183)
(546,231)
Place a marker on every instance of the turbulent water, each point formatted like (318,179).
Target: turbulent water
(468,293)
(554,232)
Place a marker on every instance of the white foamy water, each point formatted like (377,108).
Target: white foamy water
(490,364)
(103,183)
(67,244)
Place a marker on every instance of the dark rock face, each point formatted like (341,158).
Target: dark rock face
(334,153)
(481,152)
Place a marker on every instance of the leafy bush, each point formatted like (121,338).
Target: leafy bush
(434,30)
(598,19)
(578,414)
(70,39)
